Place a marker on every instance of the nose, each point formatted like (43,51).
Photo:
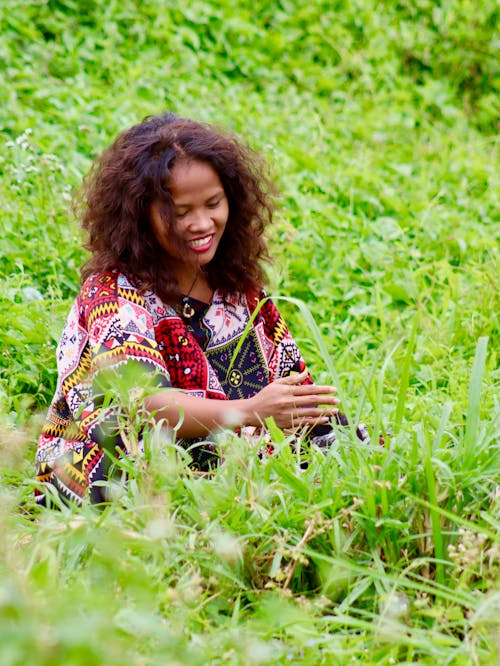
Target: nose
(200,220)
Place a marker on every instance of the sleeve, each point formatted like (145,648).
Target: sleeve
(286,358)
(107,357)
(120,358)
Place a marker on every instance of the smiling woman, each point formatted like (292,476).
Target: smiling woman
(201,213)
(175,212)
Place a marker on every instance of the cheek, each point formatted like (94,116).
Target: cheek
(224,216)
(164,232)
(166,225)
(222,225)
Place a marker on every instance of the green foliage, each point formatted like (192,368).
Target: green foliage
(378,120)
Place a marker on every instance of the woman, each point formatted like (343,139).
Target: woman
(175,213)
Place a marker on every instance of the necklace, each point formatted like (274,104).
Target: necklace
(187,308)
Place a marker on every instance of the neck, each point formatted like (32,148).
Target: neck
(194,284)
(188,281)
(201,290)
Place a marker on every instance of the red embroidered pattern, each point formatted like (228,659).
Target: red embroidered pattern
(111,324)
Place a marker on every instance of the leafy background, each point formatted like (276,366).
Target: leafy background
(379,121)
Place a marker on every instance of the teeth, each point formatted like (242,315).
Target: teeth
(200,241)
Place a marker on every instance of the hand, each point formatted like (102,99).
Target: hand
(293,404)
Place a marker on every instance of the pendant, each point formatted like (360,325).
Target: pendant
(187,310)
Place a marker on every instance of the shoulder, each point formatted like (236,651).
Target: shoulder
(99,284)
(102,292)
(275,327)
(264,302)
(107,284)
(252,299)
(262,310)
(254,302)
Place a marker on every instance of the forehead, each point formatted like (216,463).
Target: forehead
(193,177)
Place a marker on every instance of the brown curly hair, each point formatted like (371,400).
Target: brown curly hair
(134,171)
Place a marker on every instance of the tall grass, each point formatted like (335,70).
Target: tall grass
(379,121)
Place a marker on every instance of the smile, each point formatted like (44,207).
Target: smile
(201,244)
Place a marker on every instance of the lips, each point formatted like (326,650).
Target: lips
(201,244)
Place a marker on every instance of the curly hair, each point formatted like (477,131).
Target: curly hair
(134,172)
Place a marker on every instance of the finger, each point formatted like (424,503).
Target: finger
(306,389)
(309,421)
(313,412)
(293,379)
(314,400)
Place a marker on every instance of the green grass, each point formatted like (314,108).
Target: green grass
(379,123)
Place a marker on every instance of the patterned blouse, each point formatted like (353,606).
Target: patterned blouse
(111,325)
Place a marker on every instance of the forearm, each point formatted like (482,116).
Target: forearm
(287,400)
(196,417)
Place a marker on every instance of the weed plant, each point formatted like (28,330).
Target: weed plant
(379,121)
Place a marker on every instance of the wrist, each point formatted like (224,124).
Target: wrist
(241,413)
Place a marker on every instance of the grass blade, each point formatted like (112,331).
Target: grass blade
(437,535)
(316,336)
(472,418)
(405,376)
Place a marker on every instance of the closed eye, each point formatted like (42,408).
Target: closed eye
(214,204)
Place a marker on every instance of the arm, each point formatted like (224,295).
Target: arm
(116,349)
(113,343)
(287,358)
(287,400)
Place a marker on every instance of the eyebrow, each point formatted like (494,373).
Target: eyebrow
(220,193)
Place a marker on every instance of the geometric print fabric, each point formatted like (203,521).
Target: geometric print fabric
(113,322)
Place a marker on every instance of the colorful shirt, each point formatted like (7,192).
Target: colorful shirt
(114,325)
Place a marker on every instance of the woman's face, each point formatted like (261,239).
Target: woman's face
(201,213)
